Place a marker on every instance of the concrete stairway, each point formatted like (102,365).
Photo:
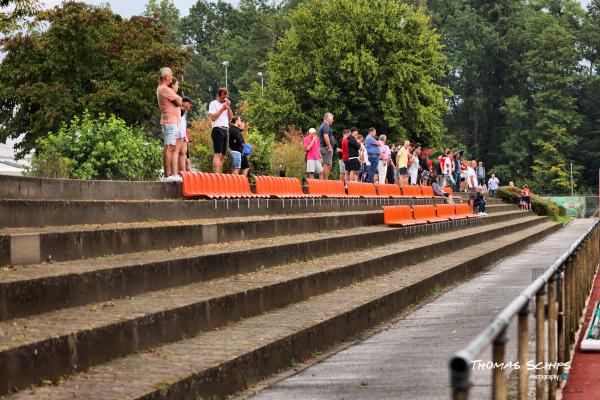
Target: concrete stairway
(204,301)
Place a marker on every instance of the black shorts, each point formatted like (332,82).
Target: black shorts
(403,171)
(526,199)
(347,165)
(219,138)
(245,163)
(353,165)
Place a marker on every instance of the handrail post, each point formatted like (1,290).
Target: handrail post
(460,374)
(499,377)
(560,323)
(552,344)
(523,351)
(539,340)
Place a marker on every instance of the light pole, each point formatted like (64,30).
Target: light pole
(571,179)
(225,64)
(262,81)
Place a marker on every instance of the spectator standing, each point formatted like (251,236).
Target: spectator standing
(373,154)
(472,182)
(493,185)
(424,168)
(184,158)
(480,171)
(236,146)
(384,155)
(313,154)
(402,163)
(170,115)
(219,112)
(364,160)
(326,144)
(178,157)
(344,160)
(526,198)
(354,147)
(413,168)
(457,170)
(448,168)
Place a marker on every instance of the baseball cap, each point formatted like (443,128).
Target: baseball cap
(186,99)
(312,130)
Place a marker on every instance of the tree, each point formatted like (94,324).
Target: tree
(243,36)
(168,14)
(16,13)
(545,64)
(87,58)
(370,63)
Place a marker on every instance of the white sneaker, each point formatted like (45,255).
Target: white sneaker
(173,178)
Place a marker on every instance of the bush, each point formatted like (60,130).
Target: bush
(290,155)
(101,148)
(201,149)
(540,206)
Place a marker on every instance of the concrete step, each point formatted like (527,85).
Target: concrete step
(132,324)
(35,213)
(26,188)
(32,245)
(222,361)
(32,289)
(60,243)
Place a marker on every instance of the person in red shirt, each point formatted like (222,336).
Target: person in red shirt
(526,198)
(344,167)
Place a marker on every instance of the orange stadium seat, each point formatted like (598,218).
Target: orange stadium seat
(218,186)
(427,213)
(326,188)
(399,216)
(361,189)
(389,190)
(463,210)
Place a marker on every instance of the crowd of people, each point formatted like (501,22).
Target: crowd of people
(368,158)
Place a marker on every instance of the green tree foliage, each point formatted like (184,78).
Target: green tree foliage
(370,63)
(217,32)
(102,148)
(522,100)
(168,14)
(15,13)
(87,58)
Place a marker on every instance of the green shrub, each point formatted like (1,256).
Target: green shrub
(290,154)
(98,148)
(540,206)
(260,158)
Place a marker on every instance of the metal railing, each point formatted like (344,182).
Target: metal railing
(565,286)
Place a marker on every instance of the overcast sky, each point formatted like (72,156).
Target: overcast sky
(128,8)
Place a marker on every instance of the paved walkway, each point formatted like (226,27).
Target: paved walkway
(584,375)
(410,359)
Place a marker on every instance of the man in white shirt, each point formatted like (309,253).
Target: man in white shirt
(219,112)
(448,168)
(493,185)
(472,182)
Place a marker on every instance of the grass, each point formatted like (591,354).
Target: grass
(563,219)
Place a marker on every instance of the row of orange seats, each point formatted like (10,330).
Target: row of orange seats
(201,184)
(418,215)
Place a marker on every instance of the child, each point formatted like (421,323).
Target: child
(526,198)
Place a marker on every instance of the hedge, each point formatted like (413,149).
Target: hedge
(540,206)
